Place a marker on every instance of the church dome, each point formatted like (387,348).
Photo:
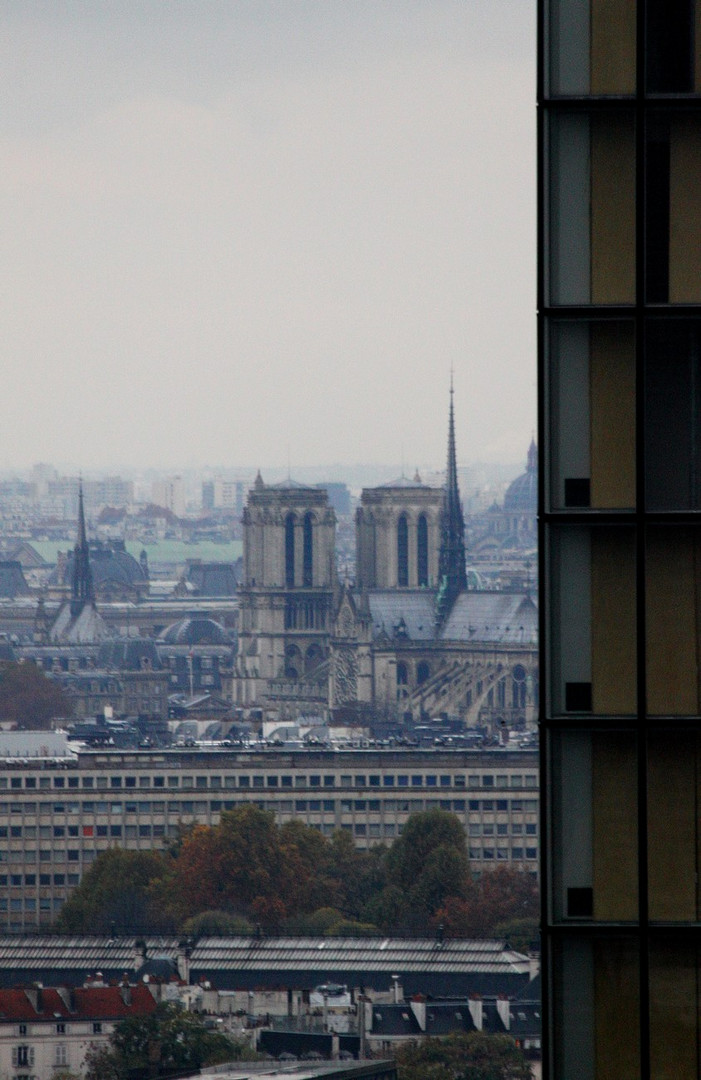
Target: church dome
(115,565)
(195,630)
(110,565)
(522,493)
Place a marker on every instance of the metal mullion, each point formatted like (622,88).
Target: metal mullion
(640,290)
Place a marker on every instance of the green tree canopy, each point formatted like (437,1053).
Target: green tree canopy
(114,894)
(29,698)
(473,1056)
(166,1042)
(216,924)
(422,835)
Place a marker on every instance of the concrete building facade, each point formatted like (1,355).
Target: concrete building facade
(58,811)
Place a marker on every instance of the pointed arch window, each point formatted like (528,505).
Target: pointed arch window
(402,551)
(290,551)
(422,550)
(308,550)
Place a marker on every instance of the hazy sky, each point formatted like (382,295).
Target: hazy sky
(237,231)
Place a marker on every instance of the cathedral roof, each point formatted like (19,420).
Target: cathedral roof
(410,614)
(497,617)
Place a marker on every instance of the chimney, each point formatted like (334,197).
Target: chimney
(125,990)
(476,1012)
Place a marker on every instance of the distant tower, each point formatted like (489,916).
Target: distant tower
(452,578)
(287,595)
(82,584)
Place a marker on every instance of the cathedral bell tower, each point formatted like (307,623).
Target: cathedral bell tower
(287,595)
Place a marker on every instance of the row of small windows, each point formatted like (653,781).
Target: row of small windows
(517,853)
(45,880)
(259,781)
(193,806)
(57,832)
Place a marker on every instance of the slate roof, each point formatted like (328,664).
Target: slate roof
(12,581)
(388,607)
(484,617)
(442,1018)
(212,578)
(479,617)
(86,628)
(128,654)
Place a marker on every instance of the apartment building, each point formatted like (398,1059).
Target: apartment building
(620,372)
(58,812)
(44,1030)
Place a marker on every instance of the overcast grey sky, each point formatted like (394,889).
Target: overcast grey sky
(234,231)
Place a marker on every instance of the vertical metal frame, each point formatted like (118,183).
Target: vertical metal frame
(640,313)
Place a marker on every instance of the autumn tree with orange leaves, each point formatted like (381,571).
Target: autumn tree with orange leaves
(247,871)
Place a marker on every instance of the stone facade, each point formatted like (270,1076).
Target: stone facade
(398,533)
(287,597)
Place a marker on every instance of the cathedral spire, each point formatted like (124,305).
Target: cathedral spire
(82,583)
(452,578)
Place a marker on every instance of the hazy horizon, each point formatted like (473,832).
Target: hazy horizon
(267,231)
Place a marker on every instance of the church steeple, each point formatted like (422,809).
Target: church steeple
(82,583)
(452,578)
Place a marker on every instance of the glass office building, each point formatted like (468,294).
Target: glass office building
(620,498)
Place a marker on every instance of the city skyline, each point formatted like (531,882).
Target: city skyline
(265,233)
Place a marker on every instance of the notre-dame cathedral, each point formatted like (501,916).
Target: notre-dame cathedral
(407,639)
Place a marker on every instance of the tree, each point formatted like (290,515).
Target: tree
(422,835)
(472,1056)
(216,924)
(359,875)
(29,698)
(501,899)
(249,866)
(427,865)
(167,1041)
(101,1063)
(115,894)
